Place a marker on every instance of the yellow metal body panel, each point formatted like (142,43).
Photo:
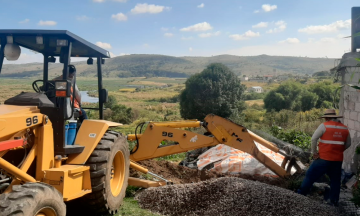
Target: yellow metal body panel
(17,118)
(72,181)
(89,135)
(238,137)
(153,135)
(144,183)
(223,130)
(111,124)
(178,124)
(45,150)
(8,167)
(138,167)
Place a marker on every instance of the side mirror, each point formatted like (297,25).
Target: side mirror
(104,94)
(52,59)
(102,61)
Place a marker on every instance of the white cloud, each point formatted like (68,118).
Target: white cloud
(146,8)
(268,8)
(314,49)
(256,11)
(82,18)
(205,35)
(333,27)
(190,49)
(122,1)
(202,5)
(47,23)
(103,45)
(187,38)
(119,17)
(290,41)
(112,55)
(168,34)
(145,45)
(281,26)
(198,27)
(164,29)
(261,25)
(24,21)
(247,35)
(327,40)
(99,1)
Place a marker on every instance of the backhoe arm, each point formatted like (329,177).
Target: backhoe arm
(223,130)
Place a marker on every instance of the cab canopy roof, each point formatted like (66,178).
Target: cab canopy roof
(49,42)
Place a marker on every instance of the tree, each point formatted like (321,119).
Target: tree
(215,90)
(286,96)
(119,113)
(325,92)
(111,102)
(308,100)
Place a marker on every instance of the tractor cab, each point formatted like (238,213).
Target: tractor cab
(54,98)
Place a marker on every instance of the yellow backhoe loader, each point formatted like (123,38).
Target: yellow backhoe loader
(42,173)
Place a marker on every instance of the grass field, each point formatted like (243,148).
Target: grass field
(131,208)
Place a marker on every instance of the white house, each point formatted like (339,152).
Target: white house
(256,89)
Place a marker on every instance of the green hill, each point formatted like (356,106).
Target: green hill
(167,66)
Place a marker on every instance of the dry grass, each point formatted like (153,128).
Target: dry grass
(127,90)
(252,102)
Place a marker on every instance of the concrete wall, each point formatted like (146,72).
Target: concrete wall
(349,107)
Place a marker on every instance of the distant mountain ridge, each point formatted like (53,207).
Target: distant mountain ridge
(168,66)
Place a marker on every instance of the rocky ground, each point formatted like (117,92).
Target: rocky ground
(230,196)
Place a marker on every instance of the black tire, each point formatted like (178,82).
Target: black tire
(101,201)
(30,199)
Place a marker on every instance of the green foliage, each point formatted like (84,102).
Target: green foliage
(215,90)
(322,73)
(119,113)
(111,102)
(298,138)
(325,92)
(284,97)
(254,96)
(294,96)
(131,191)
(308,100)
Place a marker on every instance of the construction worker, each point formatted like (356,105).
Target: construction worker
(77,101)
(334,139)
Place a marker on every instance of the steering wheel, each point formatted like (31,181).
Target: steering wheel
(37,88)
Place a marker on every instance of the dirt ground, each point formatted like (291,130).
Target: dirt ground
(181,175)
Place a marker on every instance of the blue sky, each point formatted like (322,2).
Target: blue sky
(313,28)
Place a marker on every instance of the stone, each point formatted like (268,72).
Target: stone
(357,125)
(357,107)
(351,105)
(347,114)
(354,115)
(346,121)
(351,124)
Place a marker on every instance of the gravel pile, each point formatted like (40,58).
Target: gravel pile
(229,196)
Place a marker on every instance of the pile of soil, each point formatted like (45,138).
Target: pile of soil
(181,175)
(229,196)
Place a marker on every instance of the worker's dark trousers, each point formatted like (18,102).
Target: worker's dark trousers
(318,168)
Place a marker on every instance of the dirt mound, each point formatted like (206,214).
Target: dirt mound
(181,175)
(229,196)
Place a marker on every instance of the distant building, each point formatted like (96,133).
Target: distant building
(268,77)
(282,77)
(245,78)
(256,89)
